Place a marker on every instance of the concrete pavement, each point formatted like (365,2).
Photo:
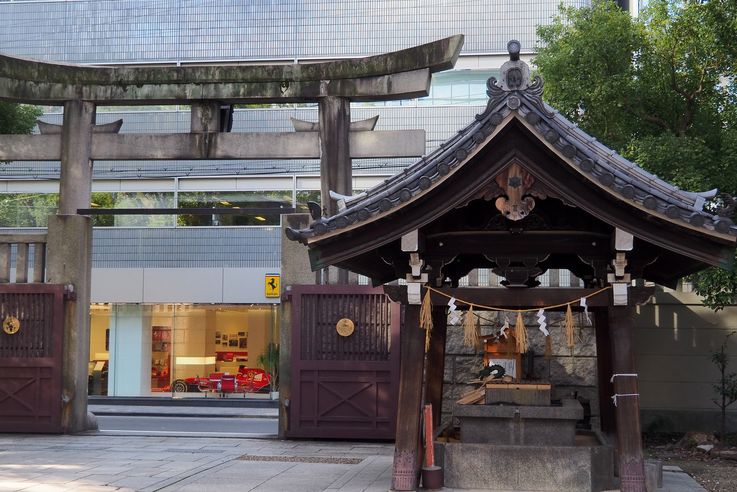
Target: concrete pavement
(106,463)
(95,462)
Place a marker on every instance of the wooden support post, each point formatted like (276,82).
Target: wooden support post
(627,409)
(436,363)
(406,467)
(604,369)
(336,171)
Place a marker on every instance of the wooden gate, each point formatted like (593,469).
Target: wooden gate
(344,385)
(30,359)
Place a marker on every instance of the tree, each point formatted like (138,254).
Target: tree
(17,118)
(659,89)
(269,360)
(727,387)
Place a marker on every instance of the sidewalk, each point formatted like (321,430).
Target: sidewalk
(104,463)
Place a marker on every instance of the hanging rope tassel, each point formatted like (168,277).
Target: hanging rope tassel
(470,329)
(520,334)
(426,318)
(548,347)
(570,339)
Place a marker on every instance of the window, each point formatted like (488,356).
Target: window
(265,201)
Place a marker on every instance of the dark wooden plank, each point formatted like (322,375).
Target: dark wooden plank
(604,371)
(405,471)
(185,211)
(436,363)
(627,409)
(502,243)
(519,298)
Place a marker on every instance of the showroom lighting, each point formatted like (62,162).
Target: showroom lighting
(194,361)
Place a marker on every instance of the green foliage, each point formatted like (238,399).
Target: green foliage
(660,89)
(726,390)
(717,286)
(17,118)
(589,77)
(269,361)
(27,209)
(672,158)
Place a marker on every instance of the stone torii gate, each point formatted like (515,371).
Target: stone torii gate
(211,90)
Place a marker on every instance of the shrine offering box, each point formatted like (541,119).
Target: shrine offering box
(518,393)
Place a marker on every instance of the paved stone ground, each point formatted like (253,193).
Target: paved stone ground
(96,462)
(105,463)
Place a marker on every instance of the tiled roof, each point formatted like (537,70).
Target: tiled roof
(520,98)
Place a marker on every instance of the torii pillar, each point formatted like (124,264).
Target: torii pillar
(69,259)
(336,168)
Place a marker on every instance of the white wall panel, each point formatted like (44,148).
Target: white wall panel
(120,285)
(246,285)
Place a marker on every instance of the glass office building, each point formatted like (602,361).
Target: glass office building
(176,297)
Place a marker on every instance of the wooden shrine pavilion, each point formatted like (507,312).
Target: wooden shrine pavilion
(521,190)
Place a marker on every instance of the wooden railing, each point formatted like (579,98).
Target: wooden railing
(22,243)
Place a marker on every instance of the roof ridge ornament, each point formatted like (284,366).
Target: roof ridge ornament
(515,73)
(515,84)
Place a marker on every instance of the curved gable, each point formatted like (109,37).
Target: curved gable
(517,130)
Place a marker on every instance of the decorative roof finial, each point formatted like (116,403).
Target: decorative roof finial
(515,86)
(513,47)
(515,72)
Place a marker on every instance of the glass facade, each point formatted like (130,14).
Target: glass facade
(136,200)
(160,349)
(271,203)
(140,31)
(27,209)
(32,209)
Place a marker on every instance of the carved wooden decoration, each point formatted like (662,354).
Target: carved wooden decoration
(516,183)
(345,327)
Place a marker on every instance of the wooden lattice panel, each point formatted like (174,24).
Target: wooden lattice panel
(30,358)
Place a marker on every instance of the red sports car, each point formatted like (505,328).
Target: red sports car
(247,380)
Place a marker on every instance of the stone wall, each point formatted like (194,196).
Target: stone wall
(572,371)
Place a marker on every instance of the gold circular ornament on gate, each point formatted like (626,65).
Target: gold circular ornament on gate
(345,327)
(11,325)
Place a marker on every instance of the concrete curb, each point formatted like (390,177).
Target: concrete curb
(105,413)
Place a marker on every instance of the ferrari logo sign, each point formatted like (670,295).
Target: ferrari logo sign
(272,286)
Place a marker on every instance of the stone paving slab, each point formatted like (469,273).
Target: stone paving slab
(96,462)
